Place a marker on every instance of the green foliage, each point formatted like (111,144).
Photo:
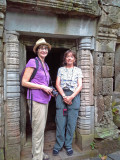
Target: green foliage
(92,145)
(113,103)
(103,157)
(100,155)
(115,111)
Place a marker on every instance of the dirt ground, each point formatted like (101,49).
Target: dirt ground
(107,146)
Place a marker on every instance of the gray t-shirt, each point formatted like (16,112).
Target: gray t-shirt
(69,77)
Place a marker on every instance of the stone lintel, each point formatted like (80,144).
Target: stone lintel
(91,8)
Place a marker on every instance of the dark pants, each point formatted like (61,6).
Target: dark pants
(65,125)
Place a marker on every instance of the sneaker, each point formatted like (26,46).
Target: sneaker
(45,157)
(55,152)
(69,151)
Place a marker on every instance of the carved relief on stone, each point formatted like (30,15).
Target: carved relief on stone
(108,32)
(85,61)
(12,95)
(106,39)
(87,68)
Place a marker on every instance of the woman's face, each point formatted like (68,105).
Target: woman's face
(42,51)
(70,59)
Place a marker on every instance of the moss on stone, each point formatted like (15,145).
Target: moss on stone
(1,154)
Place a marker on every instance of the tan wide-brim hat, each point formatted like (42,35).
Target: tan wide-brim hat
(40,42)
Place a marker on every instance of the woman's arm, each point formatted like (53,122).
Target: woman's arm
(68,99)
(78,89)
(25,81)
(60,90)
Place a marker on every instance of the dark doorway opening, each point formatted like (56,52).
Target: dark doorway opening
(54,61)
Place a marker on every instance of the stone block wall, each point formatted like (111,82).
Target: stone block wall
(103,90)
(2,136)
(104,68)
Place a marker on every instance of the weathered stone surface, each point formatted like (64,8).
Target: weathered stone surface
(1,56)
(2,5)
(85,122)
(1,31)
(1,154)
(1,15)
(107,102)
(1,45)
(109,131)
(105,45)
(117,60)
(97,71)
(97,80)
(12,96)
(109,59)
(12,76)
(2,137)
(12,61)
(98,89)
(98,58)
(82,140)
(100,107)
(107,71)
(107,86)
(71,8)
(1,22)
(117,69)
(13,152)
(110,13)
(117,83)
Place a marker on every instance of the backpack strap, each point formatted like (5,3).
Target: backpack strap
(32,76)
(35,70)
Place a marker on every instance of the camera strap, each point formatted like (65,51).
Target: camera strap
(50,81)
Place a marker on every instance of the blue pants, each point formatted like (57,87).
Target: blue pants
(65,125)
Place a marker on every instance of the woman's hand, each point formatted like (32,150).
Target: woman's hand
(68,99)
(48,90)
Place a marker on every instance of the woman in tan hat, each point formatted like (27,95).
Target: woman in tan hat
(39,95)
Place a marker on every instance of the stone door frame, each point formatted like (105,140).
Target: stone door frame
(85,125)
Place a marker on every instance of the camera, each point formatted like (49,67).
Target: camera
(65,112)
(54,92)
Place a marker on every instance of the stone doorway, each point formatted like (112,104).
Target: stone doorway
(54,61)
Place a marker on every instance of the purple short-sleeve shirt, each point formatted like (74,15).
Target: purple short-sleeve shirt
(39,95)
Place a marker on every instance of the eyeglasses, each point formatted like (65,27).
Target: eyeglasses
(43,48)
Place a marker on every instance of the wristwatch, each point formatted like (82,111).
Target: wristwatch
(63,96)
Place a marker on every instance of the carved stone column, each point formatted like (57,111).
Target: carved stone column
(11,96)
(85,126)
(104,81)
(2,124)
